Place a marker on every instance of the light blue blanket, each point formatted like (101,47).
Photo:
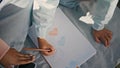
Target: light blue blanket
(106,57)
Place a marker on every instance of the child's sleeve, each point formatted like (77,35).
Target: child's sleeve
(43,13)
(103,13)
(3,48)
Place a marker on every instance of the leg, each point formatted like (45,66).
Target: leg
(14,23)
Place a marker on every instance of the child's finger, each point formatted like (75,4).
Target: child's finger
(26,61)
(48,53)
(97,39)
(26,57)
(105,41)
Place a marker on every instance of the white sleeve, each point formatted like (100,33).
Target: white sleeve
(43,13)
(103,13)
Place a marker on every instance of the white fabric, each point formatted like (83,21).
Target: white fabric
(101,10)
(43,13)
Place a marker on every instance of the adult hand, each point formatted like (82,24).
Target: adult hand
(13,57)
(103,36)
(43,44)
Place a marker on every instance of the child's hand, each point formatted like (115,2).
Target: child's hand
(12,57)
(43,44)
(103,36)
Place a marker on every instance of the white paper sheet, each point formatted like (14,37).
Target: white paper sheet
(72,48)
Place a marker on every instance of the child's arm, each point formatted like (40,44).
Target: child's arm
(43,13)
(103,13)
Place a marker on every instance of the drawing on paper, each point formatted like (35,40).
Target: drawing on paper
(53,32)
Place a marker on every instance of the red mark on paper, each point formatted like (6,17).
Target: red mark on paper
(53,32)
